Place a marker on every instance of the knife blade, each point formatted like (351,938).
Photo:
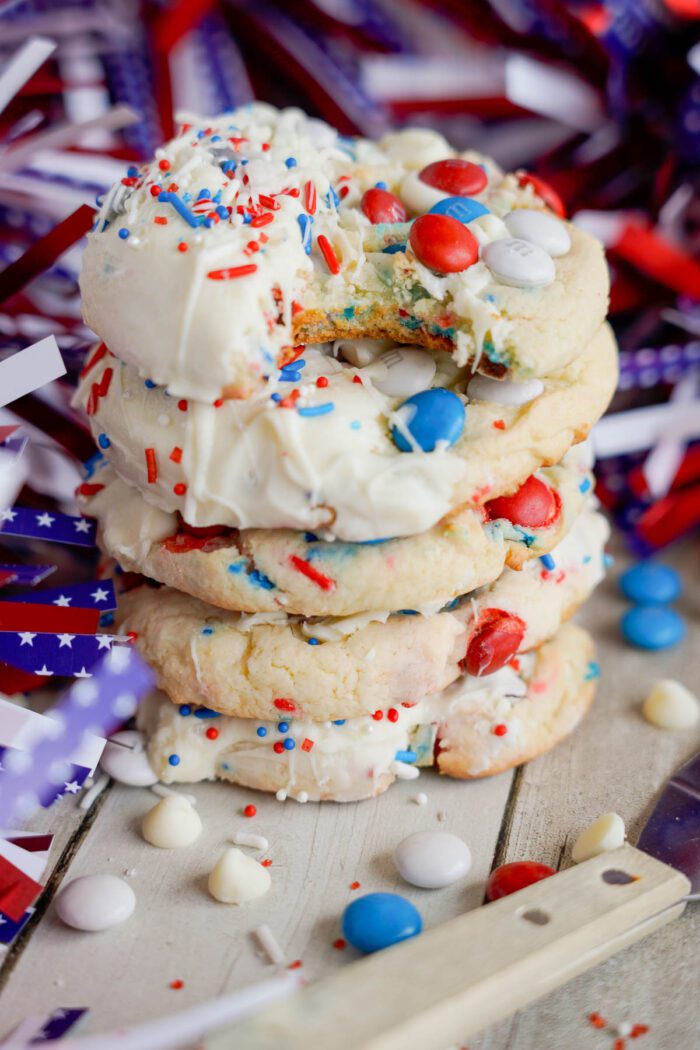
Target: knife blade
(672,832)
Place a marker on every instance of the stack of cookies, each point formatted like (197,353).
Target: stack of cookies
(341,405)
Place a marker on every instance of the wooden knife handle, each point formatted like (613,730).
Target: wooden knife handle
(452,981)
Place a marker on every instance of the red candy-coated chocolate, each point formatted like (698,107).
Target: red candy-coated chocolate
(510,878)
(534,505)
(458,178)
(382,206)
(443,244)
(495,641)
(550,197)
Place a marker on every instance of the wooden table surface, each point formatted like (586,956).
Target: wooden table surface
(616,761)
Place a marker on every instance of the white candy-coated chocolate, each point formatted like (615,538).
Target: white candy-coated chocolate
(604,834)
(402,371)
(172,823)
(670,705)
(415,148)
(504,391)
(519,263)
(95,902)
(540,228)
(432,859)
(125,760)
(237,878)
(361,352)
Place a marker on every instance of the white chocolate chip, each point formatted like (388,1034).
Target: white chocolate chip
(237,878)
(171,823)
(605,833)
(670,705)
(416,147)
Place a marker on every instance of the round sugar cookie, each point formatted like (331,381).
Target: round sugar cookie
(475,728)
(268,570)
(270,665)
(330,460)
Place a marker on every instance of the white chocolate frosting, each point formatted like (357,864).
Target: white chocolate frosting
(147,283)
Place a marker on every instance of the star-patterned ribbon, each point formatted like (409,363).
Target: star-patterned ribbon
(45,525)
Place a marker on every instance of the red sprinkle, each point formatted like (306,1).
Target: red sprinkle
(176,455)
(357,379)
(86,489)
(296,965)
(231,272)
(328,253)
(99,390)
(322,381)
(499,730)
(182,405)
(619,1044)
(639,1029)
(262,220)
(250,811)
(92,361)
(500,424)
(160,220)
(182,247)
(268,202)
(306,744)
(355,885)
(164,165)
(340,943)
(180,489)
(597,1021)
(278,747)
(218,403)
(283,704)
(392,714)
(378,715)
(151,466)
(177,985)
(308,570)
(266,863)
(310,197)
(156,191)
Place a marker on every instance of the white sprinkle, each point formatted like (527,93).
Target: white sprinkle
(303,796)
(129,873)
(623,1029)
(164,420)
(281,795)
(164,792)
(403,771)
(421,799)
(94,791)
(268,942)
(248,838)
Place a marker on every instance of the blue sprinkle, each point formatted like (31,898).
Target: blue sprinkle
(452,605)
(103,441)
(317,410)
(289,377)
(204,195)
(548,562)
(405,756)
(339,721)
(236,567)
(187,197)
(356,425)
(291,162)
(132,172)
(207,630)
(149,384)
(206,712)
(310,537)
(392,249)
(261,731)
(227,166)
(289,744)
(174,760)
(259,579)
(592,671)
(185,710)
(332,198)
(608,560)
(200,134)
(380,186)
(283,727)
(349,312)
(222,212)
(408,612)
(585,485)
(183,211)
(215,138)
(305,224)
(275,397)
(226,766)
(106,619)
(586,559)
(209,223)
(312,641)
(123,233)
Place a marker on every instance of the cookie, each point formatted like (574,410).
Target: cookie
(260,229)
(269,664)
(477,727)
(344,458)
(266,570)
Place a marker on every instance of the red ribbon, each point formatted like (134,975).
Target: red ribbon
(44,252)
(168,29)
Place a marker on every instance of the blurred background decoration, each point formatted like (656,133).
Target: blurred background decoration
(599,100)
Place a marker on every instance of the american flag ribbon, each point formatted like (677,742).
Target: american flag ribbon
(45,525)
(64,654)
(26,575)
(95,594)
(27,616)
(96,706)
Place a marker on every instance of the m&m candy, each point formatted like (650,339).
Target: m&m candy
(540,228)
(510,878)
(495,641)
(443,244)
(652,627)
(504,391)
(429,417)
(519,263)
(464,209)
(402,371)
(545,192)
(534,505)
(459,178)
(379,920)
(649,583)
(381,206)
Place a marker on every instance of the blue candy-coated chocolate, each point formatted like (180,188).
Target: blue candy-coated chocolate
(653,627)
(463,209)
(379,920)
(438,415)
(650,583)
